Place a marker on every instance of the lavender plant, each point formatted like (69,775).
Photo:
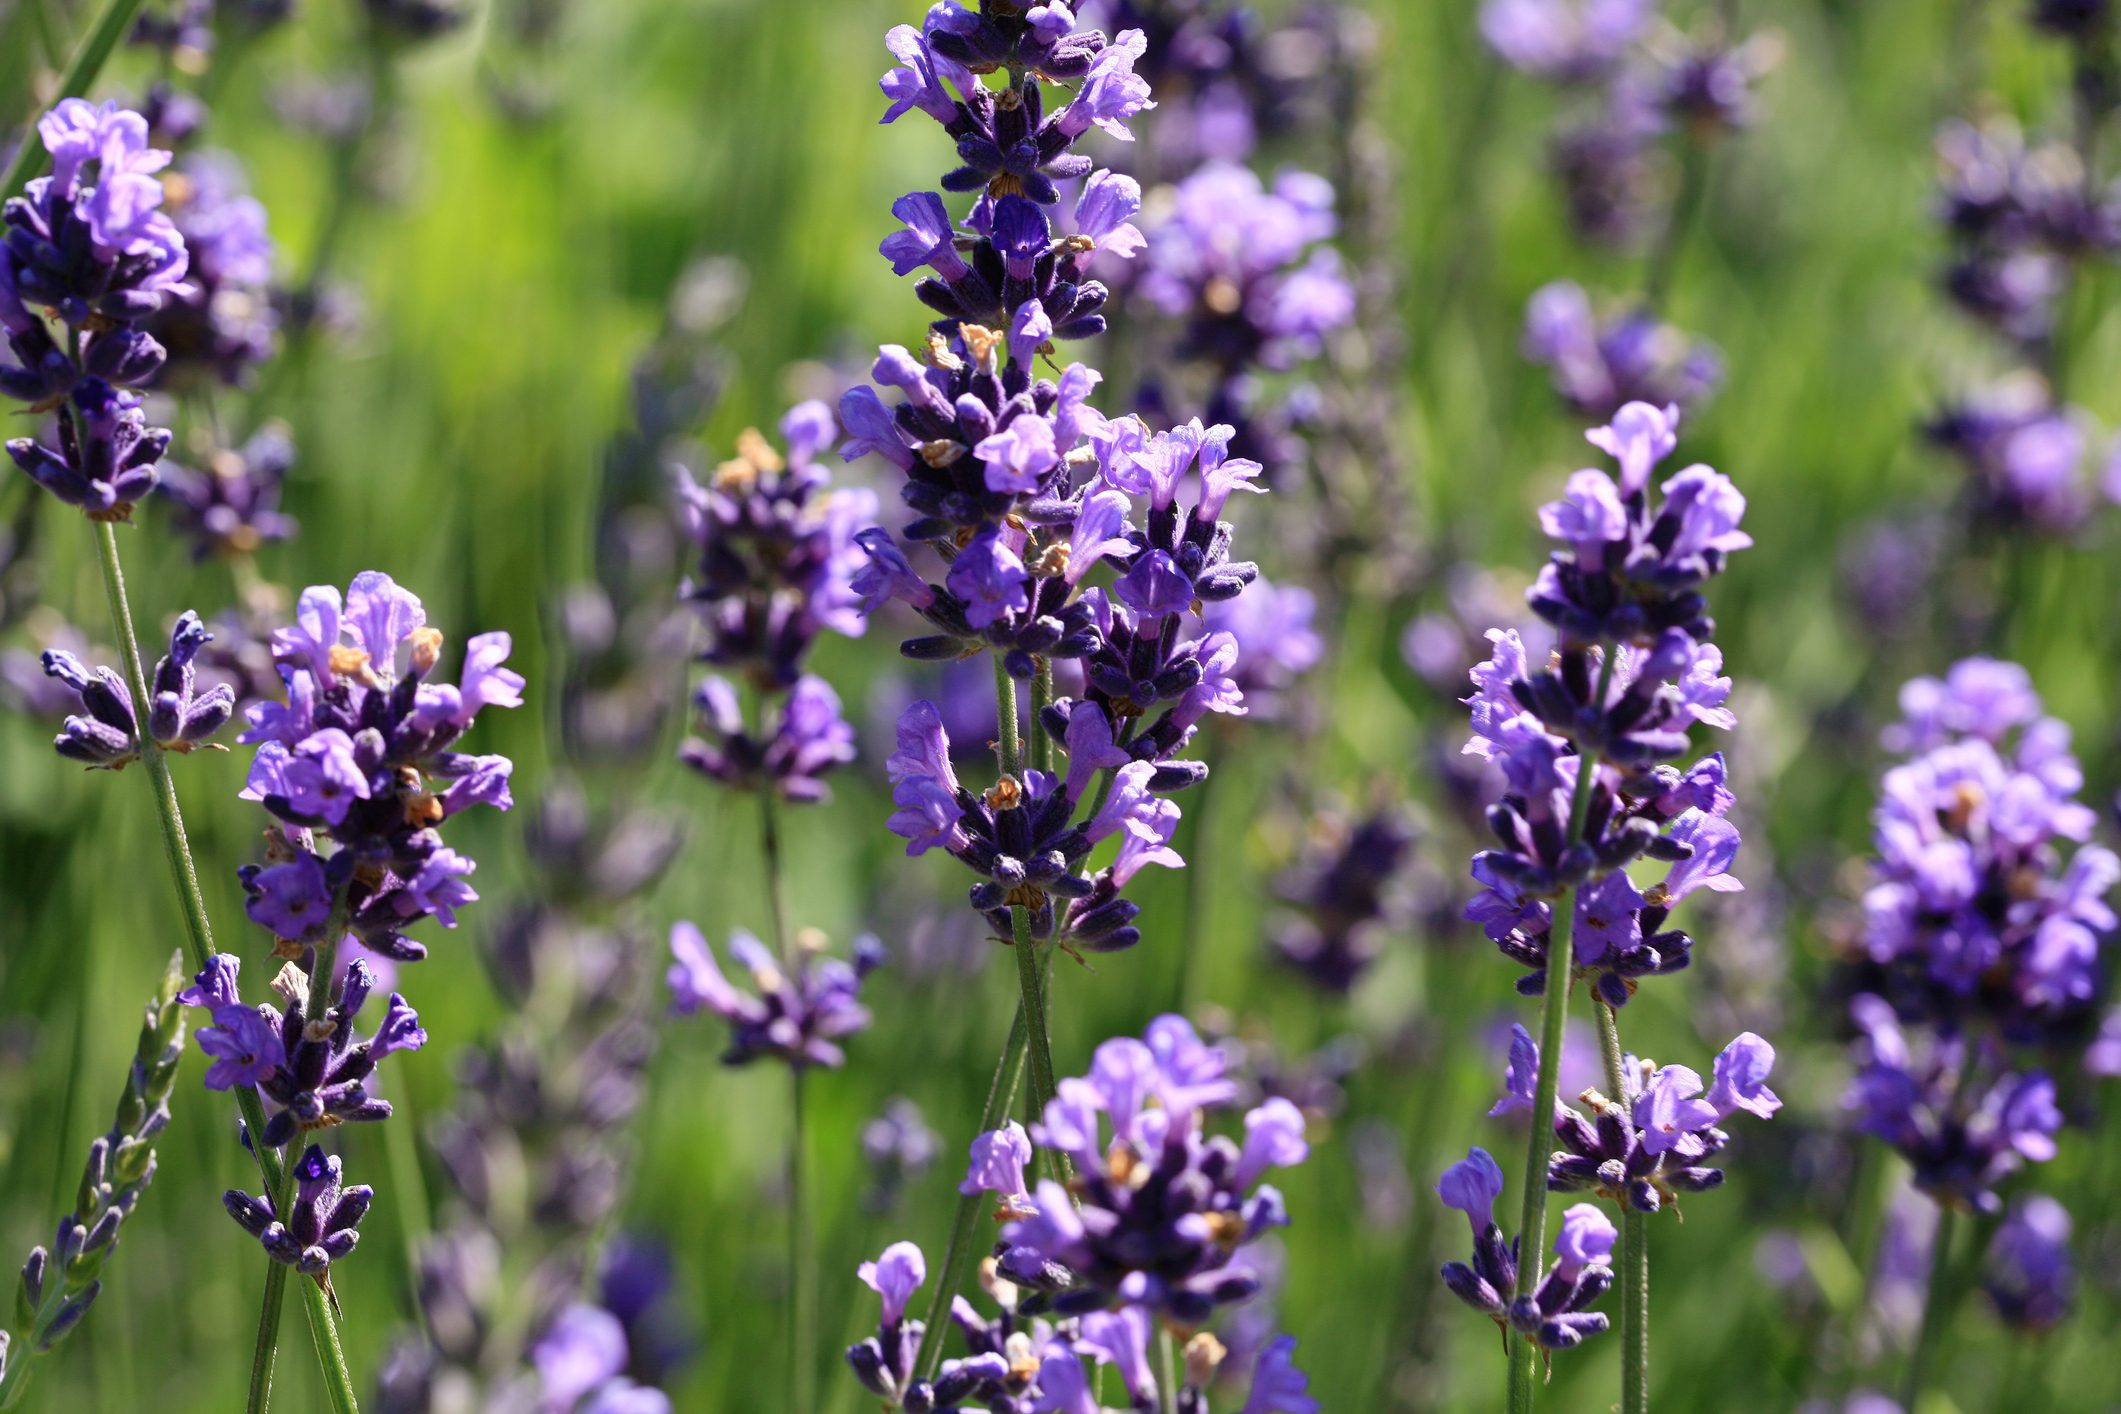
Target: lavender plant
(1585,744)
(1979,972)
(776,562)
(1023,490)
(2028,222)
(1637,83)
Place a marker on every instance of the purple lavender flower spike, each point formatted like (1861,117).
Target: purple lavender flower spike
(361,757)
(311,1075)
(797,1015)
(180,719)
(2032,1277)
(322,1228)
(1600,366)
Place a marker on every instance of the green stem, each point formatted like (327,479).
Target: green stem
(89,56)
(802,1257)
(1664,261)
(1553,1011)
(266,1351)
(802,1260)
(1042,745)
(331,1360)
(1030,974)
(1939,1302)
(1169,1347)
(1001,1094)
(1198,898)
(1634,1245)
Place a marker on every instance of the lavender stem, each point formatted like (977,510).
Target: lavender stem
(802,1259)
(1030,975)
(1553,1010)
(1634,1245)
(1001,1094)
(89,56)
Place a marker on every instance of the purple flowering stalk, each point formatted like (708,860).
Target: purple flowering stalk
(61,1282)
(1149,1240)
(777,558)
(1980,966)
(2027,221)
(1585,744)
(1637,82)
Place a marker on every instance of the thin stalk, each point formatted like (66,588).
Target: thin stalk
(266,1351)
(1030,973)
(1001,1094)
(1634,1246)
(1939,1300)
(1198,897)
(331,1359)
(1042,745)
(199,947)
(95,47)
(802,1256)
(1664,260)
(1169,1402)
(1553,1010)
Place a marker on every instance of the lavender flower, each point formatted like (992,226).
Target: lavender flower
(1601,365)
(1979,908)
(798,1015)
(1124,1242)
(2032,1279)
(1555,1311)
(321,1230)
(313,1073)
(361,754)
(899,1148)
(1643,1149)
(776,550)
(231,506)
(1245,268)
(222,323)
(179,718)
(1628,578)
(1339,893)
(1570,41)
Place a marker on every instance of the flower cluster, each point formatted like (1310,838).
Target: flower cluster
(800,1012)
(1632,673)
(179,717)
(222,323)
(1243,268)
(323,1226)
(1983,931)
(1986,900)
(1338,898)
(1644,1148)
(1599,365)
(1555,1311)
(2025,221)
(2032,1279)
(1153,1228)
(312,1069)
(87,249)
(776,560)
(231,505)
(361,755)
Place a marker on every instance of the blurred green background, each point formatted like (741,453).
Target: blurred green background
(510,279)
